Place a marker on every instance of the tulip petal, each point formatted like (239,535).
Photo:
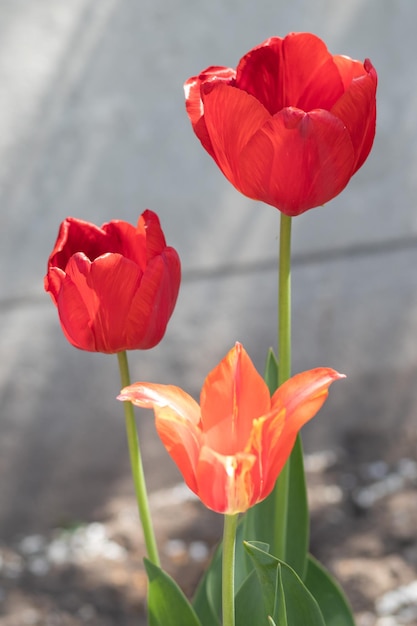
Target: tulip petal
(233,394)
(348,69)
(127,240)
(72,310)
(224,482)
(106,287)
(295,71)
(295,171)
(79,236)
(296,402)
(155,239)
(177,419)
(194,104)
(96,277)
(152,305)
(140,244)
(231,483)
(357,109)
(304,394)
(297,160)
(52,282)
(260,447)
(232,118)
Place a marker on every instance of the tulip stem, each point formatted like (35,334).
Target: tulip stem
(284,300)
(137,466)
(228,569)
(284,370)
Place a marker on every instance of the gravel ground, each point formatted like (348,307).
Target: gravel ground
(363,529)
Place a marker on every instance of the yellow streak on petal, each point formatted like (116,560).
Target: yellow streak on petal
(239,489)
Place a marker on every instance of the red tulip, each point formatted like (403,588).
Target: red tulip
(291,125)
(232,447)
(115,287)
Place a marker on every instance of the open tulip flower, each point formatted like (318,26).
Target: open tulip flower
(291,125)
(115,287)
(232,447)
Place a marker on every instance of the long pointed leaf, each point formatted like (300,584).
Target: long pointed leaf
(271,371)
(203,606)
(248,607)
(280,609)
(264,521)
(300,606)
(298,519)
(167,605)
(330,597)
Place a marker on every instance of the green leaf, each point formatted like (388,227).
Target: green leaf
(208,597)
(271,371)
(280,609)
(167,605)
(300,605)
(271,621)
(298,519)
(259,522)
(264,521)
(331,599)
(203,607)
(207,600)
(248,607)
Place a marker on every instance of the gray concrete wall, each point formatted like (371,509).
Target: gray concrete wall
(92,124)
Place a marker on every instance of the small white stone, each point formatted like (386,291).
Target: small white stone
(87,613)
(319,461)
(113,551)
(38,566)
(175,548)
(95,533)
(30,617)
(377,470)
(366,619)
(407,468)
(332,494)
(198,551)
(58,552)
(387,621)
(392,601)
(32,544)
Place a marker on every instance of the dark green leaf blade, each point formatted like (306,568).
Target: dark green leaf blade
(298,518)
(280,609)
(249,609)
(264,521)
(167,604)
(330,597)
(271,371)
(300,606)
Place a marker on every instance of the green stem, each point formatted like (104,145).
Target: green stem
(284,300)
(284,360)
(228,569)
(137,466)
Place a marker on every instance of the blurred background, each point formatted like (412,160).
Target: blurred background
(93,125)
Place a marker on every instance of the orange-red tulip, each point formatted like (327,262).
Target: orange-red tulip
(291,125)
(232,447)
(115,287)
